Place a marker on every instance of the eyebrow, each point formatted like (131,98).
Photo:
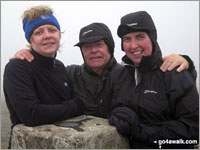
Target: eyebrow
(143,33)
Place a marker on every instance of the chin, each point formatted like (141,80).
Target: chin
(137,63)
(51,50)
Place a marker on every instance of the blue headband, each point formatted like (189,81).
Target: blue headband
(29,27)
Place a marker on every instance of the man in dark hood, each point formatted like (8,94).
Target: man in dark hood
(93,81)
(97,46)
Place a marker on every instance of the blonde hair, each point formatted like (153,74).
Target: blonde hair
(35,12)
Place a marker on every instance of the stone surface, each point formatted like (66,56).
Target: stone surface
(5,124)
(84,132)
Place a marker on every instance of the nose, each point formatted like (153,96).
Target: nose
(134,44)
(46,34)
(94,49)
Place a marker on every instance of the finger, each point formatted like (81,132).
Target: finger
(11,58)
(19,57)
(170,62)
(25,54)
(179,62)
(164,58)
(172,66)
(184,63)
(165,65)
(181,68)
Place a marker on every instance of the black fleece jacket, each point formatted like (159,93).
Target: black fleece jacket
(38,92)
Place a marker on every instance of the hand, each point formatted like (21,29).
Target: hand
(124,119)
(23,54)
(122,126)
(172,61)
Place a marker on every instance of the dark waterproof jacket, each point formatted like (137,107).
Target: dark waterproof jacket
(38,92)
(167,104)
(96,91)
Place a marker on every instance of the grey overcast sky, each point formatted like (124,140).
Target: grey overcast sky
(177,24)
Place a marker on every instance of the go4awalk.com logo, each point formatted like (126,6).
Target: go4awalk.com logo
(179,141)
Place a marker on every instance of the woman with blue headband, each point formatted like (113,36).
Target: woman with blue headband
(38,92)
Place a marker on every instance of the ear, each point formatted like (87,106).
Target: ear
(31,39)
(60,34)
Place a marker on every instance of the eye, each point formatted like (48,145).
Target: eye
(99,44)
(140,36)
(37,32)
(126,39)
(86,47)
(52,30)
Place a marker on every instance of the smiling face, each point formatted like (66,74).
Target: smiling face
(96,55)
(136,45)
(46,40)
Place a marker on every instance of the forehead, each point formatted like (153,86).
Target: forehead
(95,42)
(135,33)
(45,26)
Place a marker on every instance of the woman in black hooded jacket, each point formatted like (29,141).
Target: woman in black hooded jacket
(161,110)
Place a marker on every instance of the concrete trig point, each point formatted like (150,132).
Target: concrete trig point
(84,132)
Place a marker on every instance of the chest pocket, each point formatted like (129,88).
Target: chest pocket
(153,104)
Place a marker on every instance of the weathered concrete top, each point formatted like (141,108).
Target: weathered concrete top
(84,132)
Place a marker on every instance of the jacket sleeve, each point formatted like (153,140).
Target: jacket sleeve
(21,94)
(184,120)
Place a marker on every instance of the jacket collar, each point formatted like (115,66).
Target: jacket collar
(43,60)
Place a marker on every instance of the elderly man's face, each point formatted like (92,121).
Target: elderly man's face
(96,55)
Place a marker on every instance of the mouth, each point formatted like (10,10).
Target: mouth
(48,44)
(137,52)
(94,58)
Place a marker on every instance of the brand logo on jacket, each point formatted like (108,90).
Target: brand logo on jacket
(65,84)
(150,91)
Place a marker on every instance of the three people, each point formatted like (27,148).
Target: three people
(153,105)
(97,83)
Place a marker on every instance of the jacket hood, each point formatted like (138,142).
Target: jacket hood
(135,22)
(141,21)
